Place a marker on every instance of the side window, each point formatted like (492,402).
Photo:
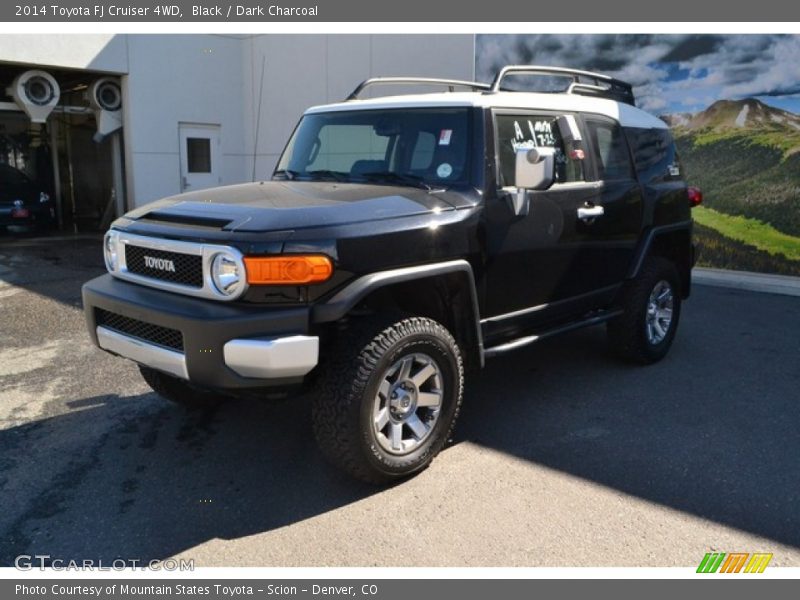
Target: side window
(610,151)
(654,154)
(532,131)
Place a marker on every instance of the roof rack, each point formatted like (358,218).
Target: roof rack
(585,83)
(451,84)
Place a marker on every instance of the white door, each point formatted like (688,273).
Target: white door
(200,156)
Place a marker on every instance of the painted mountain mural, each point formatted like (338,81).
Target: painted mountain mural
(745,156)
(733,102)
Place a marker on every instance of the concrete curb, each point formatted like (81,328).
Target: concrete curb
(745,280)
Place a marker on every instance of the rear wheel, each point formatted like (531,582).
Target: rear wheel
(389,398)
(179,391)
(652,308)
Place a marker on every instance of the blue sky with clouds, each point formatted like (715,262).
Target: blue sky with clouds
(670,73)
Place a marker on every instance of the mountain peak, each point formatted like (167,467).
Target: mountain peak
(726,115)
(737,103)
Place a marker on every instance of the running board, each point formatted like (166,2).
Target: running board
(531,339)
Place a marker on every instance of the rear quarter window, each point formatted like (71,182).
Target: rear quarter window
(610,150)
(655,155)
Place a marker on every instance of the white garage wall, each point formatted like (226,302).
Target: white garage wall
(176,79)
(304,70)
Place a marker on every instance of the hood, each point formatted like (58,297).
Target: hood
(292,205)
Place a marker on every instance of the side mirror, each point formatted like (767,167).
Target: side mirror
(534,170)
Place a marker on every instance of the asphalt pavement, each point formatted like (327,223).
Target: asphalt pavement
(562,456)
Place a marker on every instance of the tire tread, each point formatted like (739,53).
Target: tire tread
(626,333)
(343,382)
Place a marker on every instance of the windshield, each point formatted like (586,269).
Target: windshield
(424,147)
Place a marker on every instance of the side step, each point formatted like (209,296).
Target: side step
(527,340)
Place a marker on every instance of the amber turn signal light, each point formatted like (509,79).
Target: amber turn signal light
(287,270)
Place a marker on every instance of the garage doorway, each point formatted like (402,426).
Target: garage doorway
(67,161)
(86,179)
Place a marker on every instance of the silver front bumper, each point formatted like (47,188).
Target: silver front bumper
(268,358)
(260,358)
(141,352)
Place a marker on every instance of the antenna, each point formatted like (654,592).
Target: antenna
(258,115)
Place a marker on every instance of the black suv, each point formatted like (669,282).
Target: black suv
(401,241)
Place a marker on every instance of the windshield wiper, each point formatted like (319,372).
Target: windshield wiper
(326,174)
(392,177)
(288,173)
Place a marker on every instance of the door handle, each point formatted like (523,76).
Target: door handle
(590,212)
(184,182)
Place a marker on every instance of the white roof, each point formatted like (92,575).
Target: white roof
(625,114)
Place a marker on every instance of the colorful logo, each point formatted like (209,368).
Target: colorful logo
(734,562)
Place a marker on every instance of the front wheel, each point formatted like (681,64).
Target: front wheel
(389,398)
(652,308)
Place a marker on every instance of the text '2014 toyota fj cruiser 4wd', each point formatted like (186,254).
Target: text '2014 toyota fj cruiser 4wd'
(400,241)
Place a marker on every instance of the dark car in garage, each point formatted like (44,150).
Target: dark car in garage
(23,203)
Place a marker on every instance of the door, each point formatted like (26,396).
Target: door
(200,156)
(610,239)
(553,262)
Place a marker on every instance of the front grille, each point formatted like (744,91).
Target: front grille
(155,334)
(188,267)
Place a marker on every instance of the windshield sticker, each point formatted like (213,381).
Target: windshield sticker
(444,170)
(444,137)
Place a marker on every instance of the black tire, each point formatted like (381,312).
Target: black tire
(344,407)
(628,334)
(179,391)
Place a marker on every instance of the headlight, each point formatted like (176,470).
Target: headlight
(110,250)
(44,197)
(227,274)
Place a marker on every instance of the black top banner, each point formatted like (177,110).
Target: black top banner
(445,11)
